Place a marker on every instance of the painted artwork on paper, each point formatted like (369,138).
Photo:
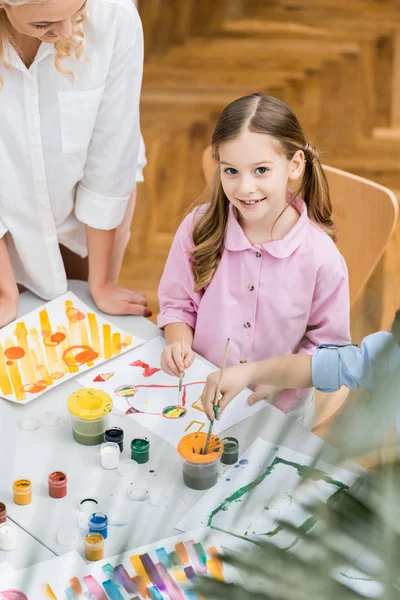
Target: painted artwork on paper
(141,390)
(54,343)
(164,570)
(261,489)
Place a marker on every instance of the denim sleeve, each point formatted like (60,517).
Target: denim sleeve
(334,366)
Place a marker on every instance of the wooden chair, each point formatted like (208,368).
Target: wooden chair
(365,214)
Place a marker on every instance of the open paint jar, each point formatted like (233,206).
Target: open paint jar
(57,484)
(22,489)
(109,455)
(200,471)
(98,523)
(231,451)
(3,512)
(116,435)
(140,450)
(94,546)
(89,409)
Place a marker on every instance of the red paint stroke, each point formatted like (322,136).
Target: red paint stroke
(12,595)
(14,352)
(75,315)
(184,397)
(147,370)
(102,377)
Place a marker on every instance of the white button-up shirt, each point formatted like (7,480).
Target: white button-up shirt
(69,151)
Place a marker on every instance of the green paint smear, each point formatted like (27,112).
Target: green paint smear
(303,471)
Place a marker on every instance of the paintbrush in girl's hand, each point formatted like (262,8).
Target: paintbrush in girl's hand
(216,398)
(182,373)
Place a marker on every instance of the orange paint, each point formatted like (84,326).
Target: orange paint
(14,352)
(182,553)
(192,445)
(34,388)
(9,363)
(22,489)
(86,356)
(74,315)
(58,337)
(57,375)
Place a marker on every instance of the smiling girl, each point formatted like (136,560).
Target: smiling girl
(257,262)
(70,78)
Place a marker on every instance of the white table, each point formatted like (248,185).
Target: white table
(37,453)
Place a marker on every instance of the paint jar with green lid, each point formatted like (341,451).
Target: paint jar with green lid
(140,450)
(230,454)
(89,409)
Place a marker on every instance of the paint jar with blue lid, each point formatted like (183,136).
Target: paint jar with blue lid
(98,523)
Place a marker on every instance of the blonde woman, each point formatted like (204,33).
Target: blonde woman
(70,76)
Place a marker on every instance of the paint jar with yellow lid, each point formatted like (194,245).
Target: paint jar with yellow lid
(94,546)
(22,489)
(89,409)
(200,471)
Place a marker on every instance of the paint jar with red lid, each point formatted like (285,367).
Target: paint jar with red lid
(57,484)
(3,512)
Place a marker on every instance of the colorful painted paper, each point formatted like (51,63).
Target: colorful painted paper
(140,389)
(165,570)
(261,489)
(54,343)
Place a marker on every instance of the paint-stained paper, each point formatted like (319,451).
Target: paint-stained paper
(258,491)
(140,389)
(164,569)
(53,343)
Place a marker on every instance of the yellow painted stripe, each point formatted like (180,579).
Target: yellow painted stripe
(72,368)
(48,592)
(116,344)
(5,384)
(73,327)
(21,334)
(85,339)
(94,333)
(16,380)
(51,352)
(139,568)
(214,568)
(107,341)
(41,368)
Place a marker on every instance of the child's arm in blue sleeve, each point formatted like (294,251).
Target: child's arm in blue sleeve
(334,366)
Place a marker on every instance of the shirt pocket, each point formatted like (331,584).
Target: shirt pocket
(78,112)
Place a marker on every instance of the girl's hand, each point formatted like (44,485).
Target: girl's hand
(234,380)
(263,392)
(115,299)
(8,308)
(171,358)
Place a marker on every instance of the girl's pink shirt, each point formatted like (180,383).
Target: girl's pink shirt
(283,297)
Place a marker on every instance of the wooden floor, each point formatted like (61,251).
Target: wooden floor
(335,63)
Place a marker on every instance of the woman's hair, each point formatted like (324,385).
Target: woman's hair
(75,45)
(267,115)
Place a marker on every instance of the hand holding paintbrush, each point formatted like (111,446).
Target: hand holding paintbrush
(216,398)
(182,373)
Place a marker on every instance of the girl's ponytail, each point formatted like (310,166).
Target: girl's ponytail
(315,192)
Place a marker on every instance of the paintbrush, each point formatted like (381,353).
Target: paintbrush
(182,373)
(216,398)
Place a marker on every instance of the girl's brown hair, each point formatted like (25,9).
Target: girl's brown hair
(267,115)
(75,45)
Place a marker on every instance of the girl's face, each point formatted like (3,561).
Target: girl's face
(46,21)
(255,175)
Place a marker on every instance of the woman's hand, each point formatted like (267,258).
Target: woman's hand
(174,361)
(115,299)
(234,380)
(8,307)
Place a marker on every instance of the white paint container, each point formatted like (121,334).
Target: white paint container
(8,537)
(109,455)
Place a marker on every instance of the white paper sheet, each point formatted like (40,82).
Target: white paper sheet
(150,395)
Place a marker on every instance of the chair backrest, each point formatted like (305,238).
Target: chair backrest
(365,214)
